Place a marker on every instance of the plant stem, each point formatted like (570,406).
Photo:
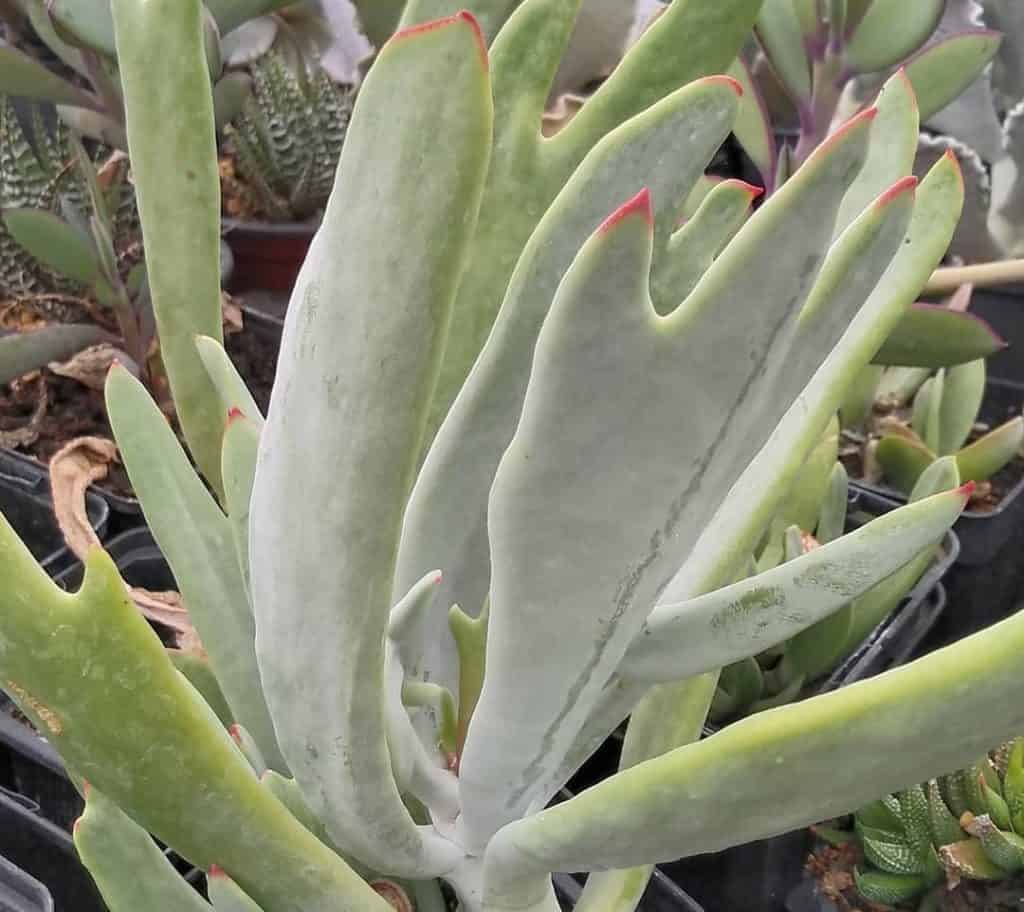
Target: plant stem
(981,275)
(816,118)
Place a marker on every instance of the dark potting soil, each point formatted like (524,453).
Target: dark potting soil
(41,412)
(832,868)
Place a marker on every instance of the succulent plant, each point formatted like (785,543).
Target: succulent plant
(288,136)
(966,825)
(827,56)
(596,518)
(813,515)
(81,75)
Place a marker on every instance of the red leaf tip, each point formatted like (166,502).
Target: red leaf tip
(966,490)
(438,576)
(752,190)
(234,413)
(215,871)
(236,733)
(433,24)
(901,186)
(638,205)
(86,788)
(75,825)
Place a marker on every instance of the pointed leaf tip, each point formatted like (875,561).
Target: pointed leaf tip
(235,732)
(434,24)
(966,490)
(903,185)
(865,116)
(639,204)
(234,413)
(751,189)
(215,872)
(733,84)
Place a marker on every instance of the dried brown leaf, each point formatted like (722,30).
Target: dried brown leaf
(73,468)
(90,366)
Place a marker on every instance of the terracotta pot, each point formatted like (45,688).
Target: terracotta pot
(267,255)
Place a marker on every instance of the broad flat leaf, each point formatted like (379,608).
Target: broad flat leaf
(491,14)
(126,864)
(23,76)
(196,538)
(891,31)
(679,640)
(753,127)
(891,153)
(617,545)
(964,388)
(22,352)
(55,243)
(983,458)
(787,768)
(943,71)
(345,427)
(533,171)
(378,18)
(85,22)
(171,139)
(446,518)
(779,33)
(174,769)
(933,336)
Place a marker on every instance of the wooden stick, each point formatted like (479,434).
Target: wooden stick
(980,275)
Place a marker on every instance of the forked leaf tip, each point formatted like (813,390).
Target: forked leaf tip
(903,185)
(434,24)
(639,204)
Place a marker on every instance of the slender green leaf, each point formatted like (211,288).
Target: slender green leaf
(31,350)
(933,336)
(55,243)
(942,71)
(21,75)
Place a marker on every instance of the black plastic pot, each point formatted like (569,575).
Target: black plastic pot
(661,895)
(985,585)
(29,765)
(1003,310)
(21,893)
(26,503)
(119,513)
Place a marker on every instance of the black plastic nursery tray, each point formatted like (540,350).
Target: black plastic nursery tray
(21,893)
(1003,310)
(26,504)
(29,765)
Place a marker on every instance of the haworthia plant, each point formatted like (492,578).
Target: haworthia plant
(616,457)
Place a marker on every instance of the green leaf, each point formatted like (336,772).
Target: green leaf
(880,815)
(126,864)
(378,18)
(889,889)
(944,826)
(226,895)
(779,33)
(933,418)
(1004,849)
(891,31)
(892,857)
(196,538)
(739,686)
(932,336)
(229,14)
(231,388)
(22,352)
(85,22)
(241,441)
(1013,785)
(860,397)
(969,859)
(55,243)
(832,513)
(803,501)
(491,14)
(23,76)
(172,144)
(903,460)
(983,458)
(815,651)
(963,390)
(942,71)
(346,424)
(174,769)
(199,674)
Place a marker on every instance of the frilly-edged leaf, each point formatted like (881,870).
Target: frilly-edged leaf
(983,458)
(126,863)
(934,336)
(21,352)
(56,243)
(353,439)
(1008,72)
(1006,217)
(890,31)
(755,614)
(972,240)
(963,391)
(943,71)
(903,460)
(753,127)
(602,318)
(24,76)
(784,768)
(779,32)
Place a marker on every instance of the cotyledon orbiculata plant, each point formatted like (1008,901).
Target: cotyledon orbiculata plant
(617,458)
